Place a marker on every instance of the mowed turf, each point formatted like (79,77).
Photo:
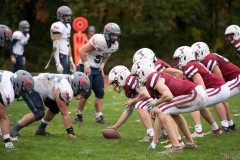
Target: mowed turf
(90,144)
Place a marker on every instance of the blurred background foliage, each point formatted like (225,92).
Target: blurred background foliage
(162,25)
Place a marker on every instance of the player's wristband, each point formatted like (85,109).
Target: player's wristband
(86,64)
(70,131)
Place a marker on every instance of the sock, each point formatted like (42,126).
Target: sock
(150,132)
(78,111)
(198,128)
(230,123)
(224,123)
(214,126)
(43,124)
(164,132)
(179,138)
(98,114)
(17,127)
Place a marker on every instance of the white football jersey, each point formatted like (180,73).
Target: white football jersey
(6,87)
(18,47)
(46,85)
(65,31)
(95,57)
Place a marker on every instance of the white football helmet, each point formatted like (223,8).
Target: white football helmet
(232,33)
(184,54)
(117,77)
(200,50)
(142,68)
(144,53)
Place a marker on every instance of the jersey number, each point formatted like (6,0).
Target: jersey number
(98,59)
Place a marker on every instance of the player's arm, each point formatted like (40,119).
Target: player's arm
(56,36)
(143,94)
(216,70)
(166,94)
(197,78)
(83,54)
(101,68)
(63,108)
(71,63)
(175,72)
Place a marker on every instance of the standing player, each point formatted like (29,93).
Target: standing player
(218,91)
(222,67)
(232,34)
(94,55)
(60,34)
(20,39)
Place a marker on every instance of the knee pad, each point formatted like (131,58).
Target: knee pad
(39,115)
(99,93)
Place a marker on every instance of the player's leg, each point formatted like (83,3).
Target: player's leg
(49,115)
(64,62)
(35,104)
(231,124)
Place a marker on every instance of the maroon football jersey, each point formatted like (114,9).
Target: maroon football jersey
(210,80)
(161,65)
(176,86)
(228,69)
(131,86)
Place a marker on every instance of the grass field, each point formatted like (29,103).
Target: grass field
(91,145)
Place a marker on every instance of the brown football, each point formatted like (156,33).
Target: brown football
(111,133)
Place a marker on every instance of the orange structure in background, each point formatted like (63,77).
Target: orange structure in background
(79,24)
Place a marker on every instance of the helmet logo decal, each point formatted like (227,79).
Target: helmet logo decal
(8,99)
(27,82)
(108,27)
(141,53)
(181,49)
(55,27)
(198,44)
(7,32)
(66,94)
(83,82)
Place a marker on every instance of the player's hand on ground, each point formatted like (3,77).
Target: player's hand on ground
(112,127)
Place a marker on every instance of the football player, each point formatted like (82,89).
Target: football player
(94,55)
(56,90)
(20,39)
(121,79)
(162,66)
(60,34)
(218,91)
(222,67)
(12,85)
(186,97)
(232,35)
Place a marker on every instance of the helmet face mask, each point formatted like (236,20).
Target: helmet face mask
(232,33)
(112,32)
(24,26)
(184,54)
(117,77)
(200,50)
(23,82)
(5,36)
(80,84)
(142,68)
(64,14)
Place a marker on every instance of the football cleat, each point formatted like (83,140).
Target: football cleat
(9,145)
(172,149)
(146,139)
(42,132)
(232,128)
(197,134)
(100,120)
(79,118)
(190,146)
